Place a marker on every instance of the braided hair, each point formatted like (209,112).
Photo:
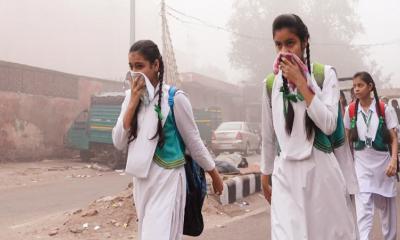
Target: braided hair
(149,50)
(296,26)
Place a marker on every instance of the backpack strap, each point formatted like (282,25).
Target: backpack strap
(352,114)
(319,74)
(171,94)
(269,83)
(382,108)
(352,109)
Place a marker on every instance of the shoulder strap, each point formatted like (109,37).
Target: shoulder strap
(382,107)
(319,73)
(171,94)
(352,110)
(269,83)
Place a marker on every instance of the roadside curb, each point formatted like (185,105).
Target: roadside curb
(240,187)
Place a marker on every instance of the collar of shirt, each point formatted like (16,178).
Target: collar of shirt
(372,107)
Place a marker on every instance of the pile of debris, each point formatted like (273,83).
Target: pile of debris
(111,217)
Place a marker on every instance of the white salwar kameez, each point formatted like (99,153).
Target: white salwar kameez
(160,196)
(309,194)
(377,190)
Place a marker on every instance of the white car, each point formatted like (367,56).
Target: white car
(236,137)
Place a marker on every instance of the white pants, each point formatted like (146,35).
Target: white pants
(366,203)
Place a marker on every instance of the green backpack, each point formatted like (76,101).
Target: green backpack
(322,141)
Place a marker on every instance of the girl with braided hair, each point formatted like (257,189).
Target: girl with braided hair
(301,119)
(371,127)
(157,139)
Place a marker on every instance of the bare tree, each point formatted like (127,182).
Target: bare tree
(333,25)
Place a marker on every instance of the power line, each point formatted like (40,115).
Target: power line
(209,25)
(220,28)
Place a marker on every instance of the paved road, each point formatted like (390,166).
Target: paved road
(22,204)
(254,227)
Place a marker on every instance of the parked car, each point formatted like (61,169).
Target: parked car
(236,137)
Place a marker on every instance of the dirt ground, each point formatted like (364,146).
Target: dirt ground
(114,217)
(35,173)
(109,217)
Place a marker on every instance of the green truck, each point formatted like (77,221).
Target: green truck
(90,133)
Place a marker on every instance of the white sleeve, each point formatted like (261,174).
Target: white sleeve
(268,145)
(346,119)
(323,109)
(190,134)
(391,117)
(119,133)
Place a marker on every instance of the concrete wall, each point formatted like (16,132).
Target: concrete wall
(205,92)
(38,106)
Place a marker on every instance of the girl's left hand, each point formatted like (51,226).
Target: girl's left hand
(218,186)
(292,72)
(217,182)
(391,169)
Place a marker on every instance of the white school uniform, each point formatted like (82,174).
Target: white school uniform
(309,195)
(377,190)
(160,194)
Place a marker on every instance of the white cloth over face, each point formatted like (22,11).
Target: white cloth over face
(148,95)
(370,164)
(309,193)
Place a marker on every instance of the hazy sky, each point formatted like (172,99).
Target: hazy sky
(91,37)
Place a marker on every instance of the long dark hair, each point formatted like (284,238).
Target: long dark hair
(149,50)
(343,101)
(296,26)
(366,77)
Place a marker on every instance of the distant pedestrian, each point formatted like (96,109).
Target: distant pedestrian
(371,126)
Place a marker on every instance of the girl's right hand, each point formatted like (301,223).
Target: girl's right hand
(266,187)
(137,87)
(391,169)
(218,185)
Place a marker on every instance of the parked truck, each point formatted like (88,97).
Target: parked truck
(91,131)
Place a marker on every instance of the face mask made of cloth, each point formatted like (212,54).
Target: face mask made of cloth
(148,94)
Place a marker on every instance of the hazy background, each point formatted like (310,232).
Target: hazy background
(91,37)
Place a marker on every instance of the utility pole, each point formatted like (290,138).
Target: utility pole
(171,74)
(132,23)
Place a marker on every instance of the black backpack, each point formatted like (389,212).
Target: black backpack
(196,187)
